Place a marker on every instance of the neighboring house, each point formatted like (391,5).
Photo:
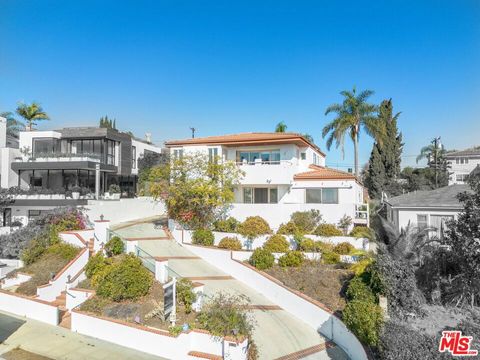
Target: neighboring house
(284,173)
(461,164)
(50,164)
(429,208)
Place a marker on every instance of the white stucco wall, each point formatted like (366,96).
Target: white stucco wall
(8,177)
(33,309)
(140,148)
(401,217)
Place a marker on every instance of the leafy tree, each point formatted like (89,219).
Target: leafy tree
(31,113)
(13,125)
(281,127)
(462,237)
(351,115)
(309,138)
(422,178)
(195,190)
(384,165)
(146,162)
(306,221)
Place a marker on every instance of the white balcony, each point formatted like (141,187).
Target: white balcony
(268,172)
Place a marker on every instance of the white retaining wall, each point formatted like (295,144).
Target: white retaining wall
(313,315)
(14,281)
(53,289)
(154,342)
(71,238)
(76,297)
(31,308)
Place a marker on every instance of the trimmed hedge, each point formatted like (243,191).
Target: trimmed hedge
(277,244)
(231,243)
(306,221)
(253,227)
(203,237)
(362,232)
(328,230)
(306,244)
(330,258)
(229,225)
(291,259)
(358,290)
(364,319)
(262,259)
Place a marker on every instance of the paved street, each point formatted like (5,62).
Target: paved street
(277,333)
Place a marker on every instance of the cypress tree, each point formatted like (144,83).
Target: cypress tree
(384,164)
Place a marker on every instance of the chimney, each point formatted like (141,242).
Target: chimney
(3,132)
(148,137)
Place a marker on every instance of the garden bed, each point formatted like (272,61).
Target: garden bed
(325,283)
(138,311)
(43,269)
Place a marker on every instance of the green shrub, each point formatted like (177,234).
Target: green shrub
(231,243)
(328,230)
(330,258)
(306,221)
(203,237)
(358,290)
(94,305)
(362,232)
(227,225)
(343,248)
(323,247)
(262,259)
(277,244)
(253,227)
(305,244)
(288,229)
(344,224)
(64,250)
(365,320)
(291,259)
(35,249)
(185,294)
(114,246)
(226,315)
(126,279)
(95,264)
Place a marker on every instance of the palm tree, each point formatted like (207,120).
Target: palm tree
(281,127)
(31,113)
(435,155)
(13,125)
(351,115)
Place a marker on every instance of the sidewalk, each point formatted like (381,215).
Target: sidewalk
(58,343)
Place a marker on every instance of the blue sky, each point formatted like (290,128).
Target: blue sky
(226,67)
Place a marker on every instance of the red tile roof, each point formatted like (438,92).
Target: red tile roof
(323,173)
(252,138)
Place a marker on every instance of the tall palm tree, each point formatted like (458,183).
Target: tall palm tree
(281,127)
(13,125)
(32,113)
(351,115)
(430,152)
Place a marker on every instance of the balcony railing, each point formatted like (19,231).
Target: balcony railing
(44,157)
(264,162)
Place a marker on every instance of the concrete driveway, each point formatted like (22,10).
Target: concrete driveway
(58,343)
(277,333)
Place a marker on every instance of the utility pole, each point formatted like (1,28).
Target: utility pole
(193,132)
(436,144)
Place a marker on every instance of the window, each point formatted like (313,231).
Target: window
(316,159)
(35,214)
(303,156)
(422,221)
(110,152)
(212,154)
(46,146)
(7,217)
(134,157)
(36,181)
(177,154)
(461,177)
(461,160)
(266,157)
(321,196)
(260,195)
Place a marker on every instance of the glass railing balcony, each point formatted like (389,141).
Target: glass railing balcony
(46,157)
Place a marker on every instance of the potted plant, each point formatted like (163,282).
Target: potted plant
(114,191)
(76,192)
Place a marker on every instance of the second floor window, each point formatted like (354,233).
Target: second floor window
(110,152)
(134,157)
(212,154)
(321,196)
(46,146)
(177,154)
(264,157)
(263,195)
(461,160)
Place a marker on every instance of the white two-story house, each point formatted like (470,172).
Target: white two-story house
(461,164)
(284,173)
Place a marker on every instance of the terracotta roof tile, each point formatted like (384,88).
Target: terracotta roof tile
(323,173)
(250,138)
